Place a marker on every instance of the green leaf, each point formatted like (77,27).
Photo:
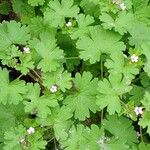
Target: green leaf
(61,121)
(93,137)
(91,7)
(110,92)
(121,24)
(4,8)
(38,26)
(118,64)
(75,138)
(145,121)
(83,24)
(51,55)
(36,2)
(40,104)
(139,35)
(97,42)
(144,146)
(137,94)
(10,55)
(57,12)
(146,101)
(118,126)
(82,100)
(11,92)
(10,115)
(37,141)
(60,78)
(23,10)
(13,138)
(13,33)
(146,47)
(25,64)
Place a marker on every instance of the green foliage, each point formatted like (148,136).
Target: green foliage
(11,92)
(74,74)
(40,104)
(57,12)
(97,42)
(83,99)
(110,92)
(13,33)
(121,132)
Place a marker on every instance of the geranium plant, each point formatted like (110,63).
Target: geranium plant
(75,75)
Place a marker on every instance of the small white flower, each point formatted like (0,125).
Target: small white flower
(22,140)
(26,50)
(69,24)
(122,6)
(53,88)
(113,1)
(138,110)
(31,130)
(138,134)
(134,58)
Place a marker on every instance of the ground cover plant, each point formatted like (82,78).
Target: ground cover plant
(74,75)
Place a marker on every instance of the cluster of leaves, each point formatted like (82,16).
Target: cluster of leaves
(76,72)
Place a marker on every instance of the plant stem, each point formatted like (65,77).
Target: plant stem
(141,134)
(101,65)
(37,75)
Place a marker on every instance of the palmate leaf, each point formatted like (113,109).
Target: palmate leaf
(83,99)
(23,10)
(36,2)
(97,42)
(76,136)
(92,138)
(57,12)
(109,92)
(60,120)
(13,138)
(118,64)
(26,63)
(40,104)
(10,116)
(60,78)
(83,23)
(11,92)
(118,126)
(51,55)
(145,121)
(121,24)
(146,52)
(139,35)
(13,33)
(36,141)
